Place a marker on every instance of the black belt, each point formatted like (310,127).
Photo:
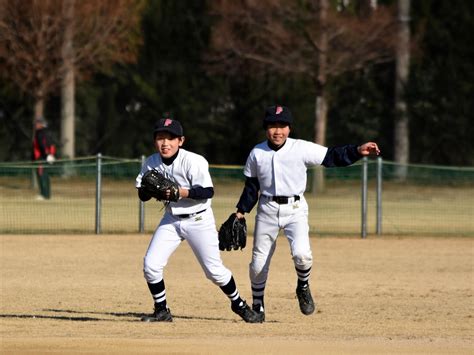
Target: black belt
(188,215)
(283,200)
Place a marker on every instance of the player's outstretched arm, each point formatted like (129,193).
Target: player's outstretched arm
(369,148)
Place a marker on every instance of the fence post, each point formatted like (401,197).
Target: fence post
(379,196)
(98,194)
(141,209)
(364,198)
(34,181)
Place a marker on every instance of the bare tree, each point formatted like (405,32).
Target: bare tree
(300,37)
(28,46)
(47,44)
(68,83)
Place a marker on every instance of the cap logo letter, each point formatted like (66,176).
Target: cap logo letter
(168,122)
(279,110)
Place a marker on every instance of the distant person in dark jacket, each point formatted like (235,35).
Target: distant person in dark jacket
(43,150)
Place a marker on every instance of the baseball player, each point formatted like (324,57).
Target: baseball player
(43,149)
(190,218)
(276,178)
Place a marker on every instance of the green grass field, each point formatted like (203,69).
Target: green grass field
(406,209)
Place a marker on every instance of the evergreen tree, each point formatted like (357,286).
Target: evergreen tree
(441,86)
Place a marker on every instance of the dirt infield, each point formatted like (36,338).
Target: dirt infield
(63,294)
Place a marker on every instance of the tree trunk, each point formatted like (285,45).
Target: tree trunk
(321,109)
(68,85)
(38,112)
(67,114)
(39,107)
(364,8)
(321,118)
(401,130)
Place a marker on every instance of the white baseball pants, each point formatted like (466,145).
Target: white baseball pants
(201,234)
(271,217)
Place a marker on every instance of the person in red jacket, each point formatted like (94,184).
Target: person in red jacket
(43,150)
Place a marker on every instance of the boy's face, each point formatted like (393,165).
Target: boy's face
(167,144)
(277,133)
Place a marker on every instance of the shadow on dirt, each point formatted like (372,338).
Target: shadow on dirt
(97,316)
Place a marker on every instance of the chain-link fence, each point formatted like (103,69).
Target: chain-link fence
(98,195)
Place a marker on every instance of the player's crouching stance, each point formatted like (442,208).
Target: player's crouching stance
(188,216)
(276,178)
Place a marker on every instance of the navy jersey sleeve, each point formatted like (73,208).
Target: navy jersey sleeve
(341,156)
(201,193)
(249,196)
(196,193)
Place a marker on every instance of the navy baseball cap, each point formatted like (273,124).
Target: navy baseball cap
(169,125)
(274,114)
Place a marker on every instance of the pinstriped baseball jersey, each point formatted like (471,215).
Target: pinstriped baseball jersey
(188,170)
(283,172)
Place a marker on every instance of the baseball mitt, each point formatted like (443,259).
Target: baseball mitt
(156,185)
(233,233)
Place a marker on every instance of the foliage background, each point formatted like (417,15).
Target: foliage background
(222,115)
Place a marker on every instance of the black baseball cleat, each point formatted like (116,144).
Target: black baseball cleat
(247,314)
(161,314)
(305,300)
(260,311)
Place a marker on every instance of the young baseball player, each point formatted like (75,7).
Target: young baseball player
(276,178)
(190,218)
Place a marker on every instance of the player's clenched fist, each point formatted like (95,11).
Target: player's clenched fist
(369,148)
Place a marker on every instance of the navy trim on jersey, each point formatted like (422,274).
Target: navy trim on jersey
(170,160)
(341,156)
(274,147)
(249,197)
(196,193)
(201,193)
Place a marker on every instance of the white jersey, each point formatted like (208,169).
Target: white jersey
(283,172)
(187,170)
